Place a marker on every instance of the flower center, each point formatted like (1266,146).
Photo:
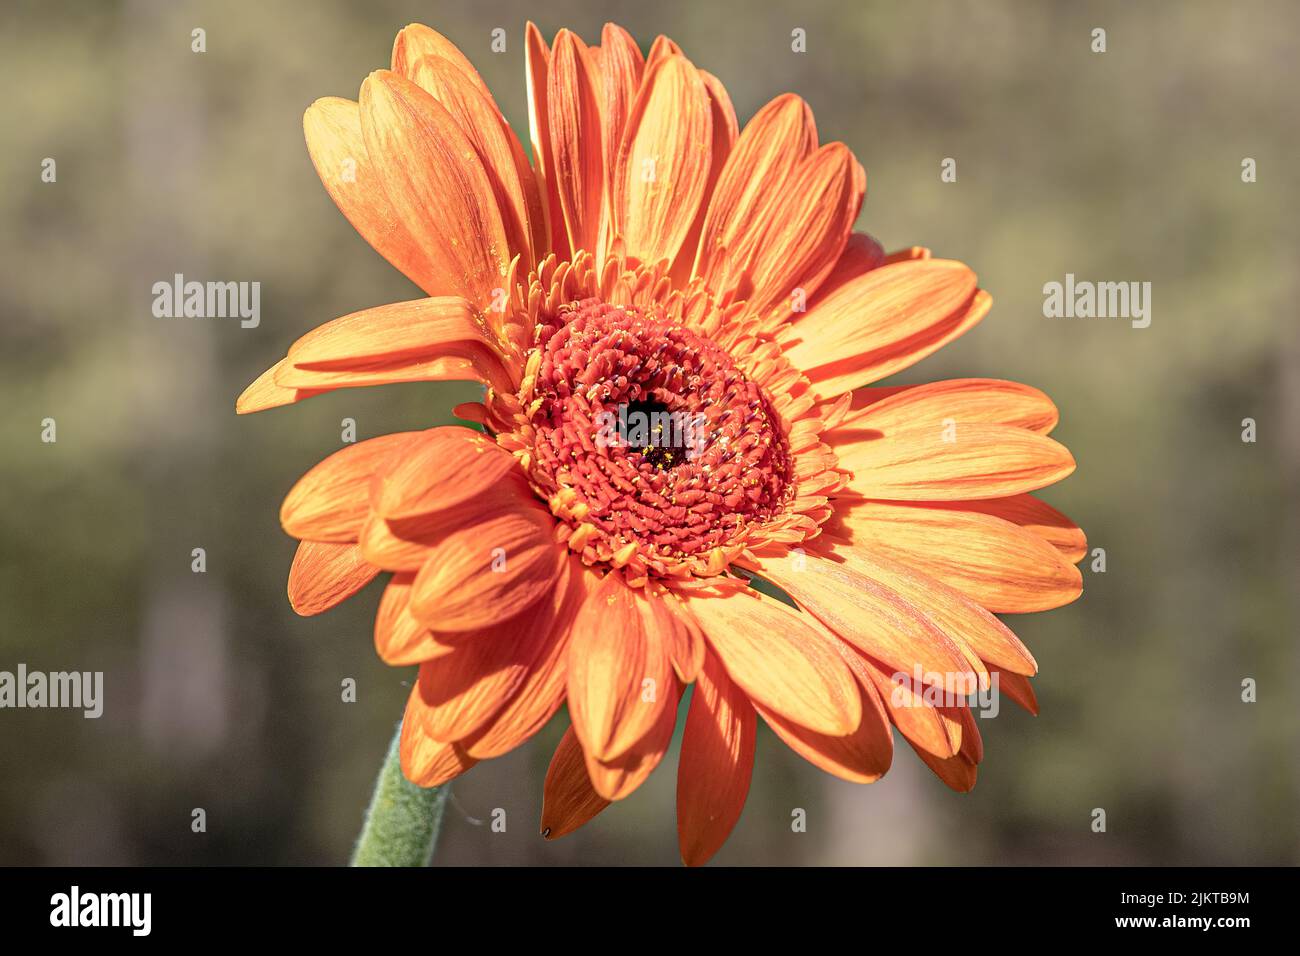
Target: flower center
(650,442)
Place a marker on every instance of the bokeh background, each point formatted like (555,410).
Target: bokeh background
(1117,166)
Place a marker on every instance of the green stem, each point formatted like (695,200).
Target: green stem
(402,821)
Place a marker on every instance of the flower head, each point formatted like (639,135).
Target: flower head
(655,265)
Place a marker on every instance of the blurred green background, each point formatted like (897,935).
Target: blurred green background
(1117,166)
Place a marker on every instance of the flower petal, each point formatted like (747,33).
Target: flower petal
(461,691)
(325,574)
(494,143)
(426,761)
(663,162)
(860,757)
(621,69)
(264,393)
(402,548)
(959,617)
(541,692)
(438,469)
(537,60)
(430,339)
(487,571)
(861,254)
(1018,688)
(923,725)
(399,638)
(404,544)
(331,501)
(620,671)
(1000,565)
(661,47)
(882,322)
(568,799)
(716,762)
(869,616)
(686,643)
(808,231)
(332,128)
(937,405)
(1035,516)
(577,171)
(750,187)
(416,41)
(980,461)
(437,186)
(958,773)
(725,131)
(780,660)
(618,778)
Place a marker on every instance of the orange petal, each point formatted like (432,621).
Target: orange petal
(860,757)
(416,41)
(907,255)
(568,800)
(938,405)
(430,339)
(460,691)
(618,778)
(998,564)
(870,616)
(264,393)
(437,186)
(487,571)
(716,762)
(751,185)
(402,549)
(427,762)
(541,693)
(808,231)
(924,725)
(663,162)
(620,672)
(1018,688)
(494,143)
(977,461)
(781,661)
(621,66)
(882,322)
(399,638)
(332,127)
(323,575)
(960,618)
(441,369)
(686,642)
(403,544)
(861,254)
(958,773)
(725,131)
(331,501)
(577,171)
(537,60)
(1035,516)
(662,47)
(972,744)
(438,469)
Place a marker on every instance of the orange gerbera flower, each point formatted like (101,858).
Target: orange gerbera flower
(655,259)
